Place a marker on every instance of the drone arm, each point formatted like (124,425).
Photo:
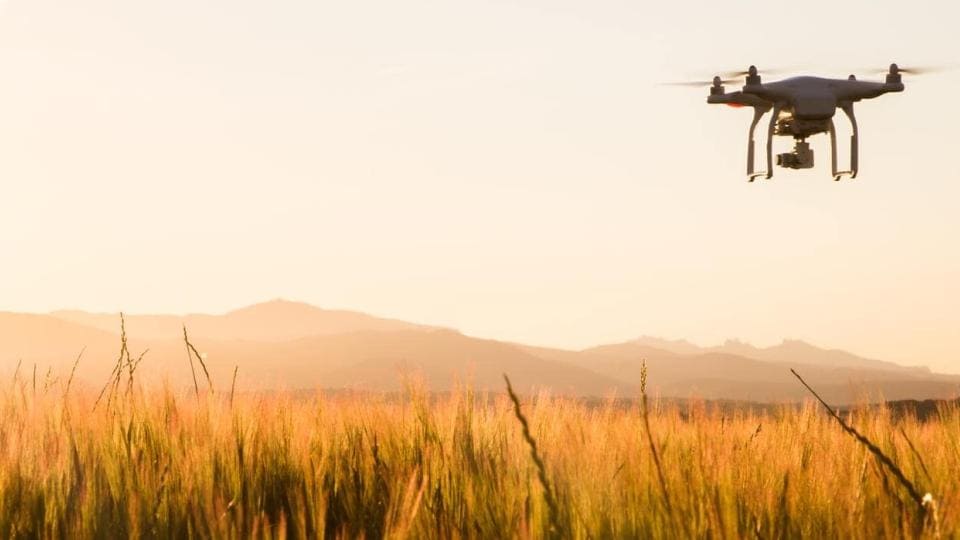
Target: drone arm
(853,90)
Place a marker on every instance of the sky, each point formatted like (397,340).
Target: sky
(511,169)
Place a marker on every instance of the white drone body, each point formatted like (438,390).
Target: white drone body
(802,106)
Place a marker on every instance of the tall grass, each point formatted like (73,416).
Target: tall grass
(162,463)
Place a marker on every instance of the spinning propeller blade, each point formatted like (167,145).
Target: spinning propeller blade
(698,84)
(923,70)
(727,77)
(914,70)
(744,73)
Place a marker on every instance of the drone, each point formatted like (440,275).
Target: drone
(802,107)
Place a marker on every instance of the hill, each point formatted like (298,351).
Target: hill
(383,360)
(291,345)
(49,341)
(763,375)
(326,350)
(274,321)
(790,351)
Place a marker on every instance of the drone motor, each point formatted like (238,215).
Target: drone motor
(893,76)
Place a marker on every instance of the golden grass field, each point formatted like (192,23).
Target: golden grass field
(161,463)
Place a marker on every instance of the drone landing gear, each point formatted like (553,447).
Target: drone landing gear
(802,155)
(854,144)
(758,112)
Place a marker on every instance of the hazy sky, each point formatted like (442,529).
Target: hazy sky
(511,169)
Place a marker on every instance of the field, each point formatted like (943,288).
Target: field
(155,462)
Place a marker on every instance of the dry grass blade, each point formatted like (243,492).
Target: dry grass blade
(49,379)
(133,369)
(160,492)
(193,372)
(16,372)
(192,351)
(73,372)
(874,449)
(916,454)
(233,385)
(114,378)
(548,493)
(653,447)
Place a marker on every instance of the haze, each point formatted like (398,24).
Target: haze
(510,170)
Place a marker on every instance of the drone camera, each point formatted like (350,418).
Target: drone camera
(800,158)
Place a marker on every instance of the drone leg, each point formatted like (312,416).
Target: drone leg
(833,151)
(758,113)
(770,130)
(854,145)
(854,139)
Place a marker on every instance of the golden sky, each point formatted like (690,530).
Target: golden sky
(511,169)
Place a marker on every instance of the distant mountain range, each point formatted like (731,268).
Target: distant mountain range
(274,321)
(282,344)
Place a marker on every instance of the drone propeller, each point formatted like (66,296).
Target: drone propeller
(700,84)
(726,77)
(923,70)
(913,70)
(744,73)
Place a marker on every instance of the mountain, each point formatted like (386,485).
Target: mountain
(50,342)
(741,372)
(678,346)
(288,345)
(790,351)
(381,361)
(274,321)
(799,352)
(291,345)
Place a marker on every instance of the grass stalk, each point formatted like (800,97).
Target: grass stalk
(191,350)
(233,385)
(548,493)
(874,449)
(114,377)
(193,371)
(913,450)
(661,479)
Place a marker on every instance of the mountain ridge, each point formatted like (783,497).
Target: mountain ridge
(788,350)
(296,345)
(273,320)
